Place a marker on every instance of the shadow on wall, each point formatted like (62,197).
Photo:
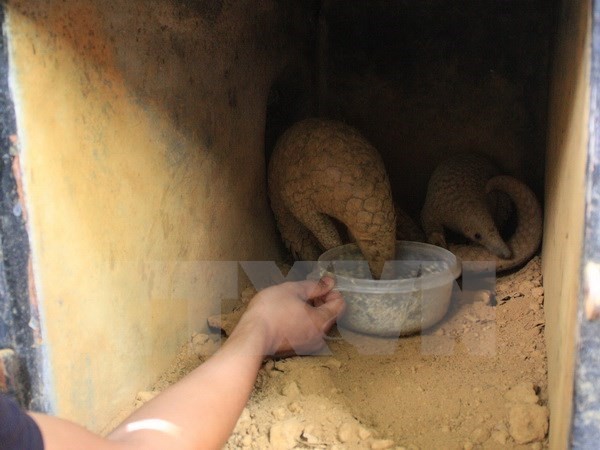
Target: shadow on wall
(204,65)
(426,79)
(200,71)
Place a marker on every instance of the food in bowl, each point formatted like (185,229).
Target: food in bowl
(412,294)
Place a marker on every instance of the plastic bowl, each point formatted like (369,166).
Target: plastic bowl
(413,293)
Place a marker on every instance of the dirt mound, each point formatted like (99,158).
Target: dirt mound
(477,380)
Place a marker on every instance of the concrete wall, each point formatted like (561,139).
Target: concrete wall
(141,139)
(564,215)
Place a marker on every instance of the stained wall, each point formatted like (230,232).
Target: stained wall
(141,142)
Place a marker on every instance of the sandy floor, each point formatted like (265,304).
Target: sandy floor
(477,380)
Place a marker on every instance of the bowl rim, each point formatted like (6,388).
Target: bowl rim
(427,281)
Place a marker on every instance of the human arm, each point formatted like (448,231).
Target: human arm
(201,410)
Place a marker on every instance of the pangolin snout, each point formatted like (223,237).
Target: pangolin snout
(501,251)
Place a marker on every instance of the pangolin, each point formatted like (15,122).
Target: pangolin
(463,195)
(322,170)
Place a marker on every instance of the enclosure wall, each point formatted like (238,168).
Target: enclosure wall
(141,139)
(565,197)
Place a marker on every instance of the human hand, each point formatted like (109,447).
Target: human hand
(294,315)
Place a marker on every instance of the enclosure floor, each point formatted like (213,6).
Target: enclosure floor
(469,383)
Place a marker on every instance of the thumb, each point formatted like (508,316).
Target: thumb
(332,307)
(311,289)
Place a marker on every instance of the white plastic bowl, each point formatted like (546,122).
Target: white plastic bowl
(413,293)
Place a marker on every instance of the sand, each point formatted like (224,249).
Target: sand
(476,380)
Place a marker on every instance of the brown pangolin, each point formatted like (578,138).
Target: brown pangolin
(324,169)
(461,196)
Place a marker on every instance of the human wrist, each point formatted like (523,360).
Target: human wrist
(254,328)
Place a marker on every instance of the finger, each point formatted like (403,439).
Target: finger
(318,301)
(310,289)
(333,305)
